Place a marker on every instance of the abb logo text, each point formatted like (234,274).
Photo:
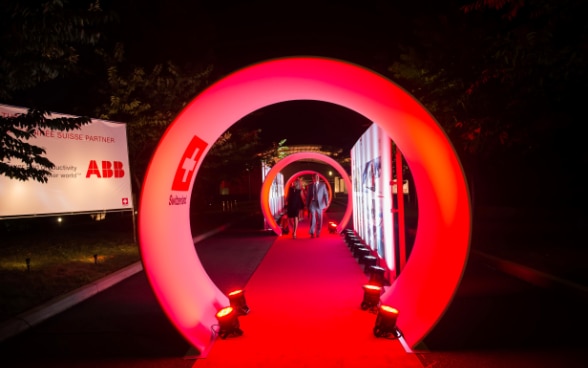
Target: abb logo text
(188,163)
(107,169)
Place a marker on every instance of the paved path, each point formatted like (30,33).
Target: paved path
(496,319)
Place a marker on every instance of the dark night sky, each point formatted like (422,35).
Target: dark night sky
(331,125)
(233,34)
(242,32)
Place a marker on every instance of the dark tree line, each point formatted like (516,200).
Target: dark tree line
(53,46)
(39,43)
(505,78)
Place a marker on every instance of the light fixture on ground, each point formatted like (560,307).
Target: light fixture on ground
(361,252)
(350,237)
(347,232)
(356,244)
(332,227)
(238,302)
(371,297)
(386,322)
(228,322)
(377,276)
(356,249)
(368,260)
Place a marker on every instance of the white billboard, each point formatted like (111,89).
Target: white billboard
(91,173)
(371,168)
(276,198)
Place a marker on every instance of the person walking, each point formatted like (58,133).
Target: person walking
(317,201)
(294,204)
(303,209)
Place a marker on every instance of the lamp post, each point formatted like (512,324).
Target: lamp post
(331,180)
(248,183)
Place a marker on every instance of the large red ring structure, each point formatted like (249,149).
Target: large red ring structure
(427,283)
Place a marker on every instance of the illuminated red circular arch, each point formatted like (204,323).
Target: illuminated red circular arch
(280,165)
(427,283)
(309,172)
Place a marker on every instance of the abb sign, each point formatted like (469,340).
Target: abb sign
(91,172)
(110,169)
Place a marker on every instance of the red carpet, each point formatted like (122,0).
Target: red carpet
(304,302)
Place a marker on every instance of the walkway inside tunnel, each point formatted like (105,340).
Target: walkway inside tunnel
(305,307)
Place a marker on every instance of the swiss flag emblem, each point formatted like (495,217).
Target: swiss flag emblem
(125,201)
(187,164)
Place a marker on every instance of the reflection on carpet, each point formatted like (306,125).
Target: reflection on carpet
(304,302)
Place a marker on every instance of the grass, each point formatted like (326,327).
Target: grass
(68,255)
(61,256)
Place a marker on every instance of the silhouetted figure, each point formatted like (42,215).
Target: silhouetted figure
(294,204)
(317,201)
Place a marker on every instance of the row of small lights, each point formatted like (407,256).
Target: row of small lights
(385,325)
(28,261)
(60,220)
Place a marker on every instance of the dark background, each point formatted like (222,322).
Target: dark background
(374,34)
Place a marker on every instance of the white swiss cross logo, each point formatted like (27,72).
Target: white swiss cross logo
(187,164)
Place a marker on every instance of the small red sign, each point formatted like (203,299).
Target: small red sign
(187,164)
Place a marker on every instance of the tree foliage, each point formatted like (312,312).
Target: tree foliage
(148,101)
(39,42)
(233,152)
(500,75)
(232,156)
(506,80)
(22,160)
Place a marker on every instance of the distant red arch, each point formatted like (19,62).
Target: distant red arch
(280,165)
(308,172)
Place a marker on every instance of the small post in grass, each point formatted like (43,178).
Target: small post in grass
(95,258)
(28,261)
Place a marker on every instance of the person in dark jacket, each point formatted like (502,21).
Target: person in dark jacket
(294,204)
(317,201)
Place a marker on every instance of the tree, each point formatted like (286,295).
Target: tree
(499,75)
(39,42)
(234,154)
(502,77)
(147,101)
(42,41)
(21,160)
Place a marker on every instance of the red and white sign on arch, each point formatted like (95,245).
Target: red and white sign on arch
(429,279)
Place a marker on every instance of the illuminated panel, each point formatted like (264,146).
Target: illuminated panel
(275,170)
(372,170)
(309,172)
(427,283)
